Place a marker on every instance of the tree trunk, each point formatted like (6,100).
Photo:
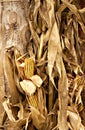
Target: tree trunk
(13,27)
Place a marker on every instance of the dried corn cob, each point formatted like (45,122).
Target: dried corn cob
(29,67)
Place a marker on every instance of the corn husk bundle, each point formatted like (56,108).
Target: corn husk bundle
(42,65)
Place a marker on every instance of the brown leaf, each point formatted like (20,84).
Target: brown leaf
(8,71)
(75,11)
(36,9)
(54,50)
(37,117)
(75,120)
(8,110)
(34,35)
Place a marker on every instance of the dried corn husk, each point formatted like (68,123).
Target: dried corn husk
(28,87)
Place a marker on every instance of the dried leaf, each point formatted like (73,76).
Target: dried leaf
(54,43)
(8,110)
(37,117)
(50,9)
(82,10)
(41,47)
(21,111)
(63,98)
(8,70)
(34,34)
(36,9)
(75,120)
(75,11)
(19,61)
